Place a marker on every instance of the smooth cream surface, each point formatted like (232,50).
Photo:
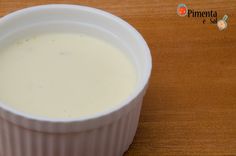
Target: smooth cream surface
(64,75)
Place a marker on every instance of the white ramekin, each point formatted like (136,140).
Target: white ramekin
(106,133)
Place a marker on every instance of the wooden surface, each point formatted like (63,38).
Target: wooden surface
(190,106)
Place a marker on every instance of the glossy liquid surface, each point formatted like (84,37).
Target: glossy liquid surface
(64,75)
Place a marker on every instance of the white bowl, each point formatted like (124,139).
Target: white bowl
(106,133)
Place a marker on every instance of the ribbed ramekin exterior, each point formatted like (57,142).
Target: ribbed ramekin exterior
(112,139)
(109,134)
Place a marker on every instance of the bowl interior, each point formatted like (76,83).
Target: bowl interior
(69,18)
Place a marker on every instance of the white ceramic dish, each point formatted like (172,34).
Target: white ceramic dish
(104,134)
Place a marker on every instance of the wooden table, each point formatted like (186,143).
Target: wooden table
(190,106)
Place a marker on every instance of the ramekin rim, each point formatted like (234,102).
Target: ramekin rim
(119,106)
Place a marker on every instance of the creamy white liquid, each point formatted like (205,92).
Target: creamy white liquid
(64,75)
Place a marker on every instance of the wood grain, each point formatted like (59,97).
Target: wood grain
(190,106)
